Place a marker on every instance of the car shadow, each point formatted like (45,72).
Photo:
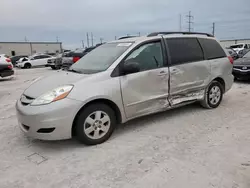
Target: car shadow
(7,79)
(242,81)
(159,117)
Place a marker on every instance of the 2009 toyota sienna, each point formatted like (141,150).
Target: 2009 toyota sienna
(126,79)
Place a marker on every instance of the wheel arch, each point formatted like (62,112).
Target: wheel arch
(108,102)
(222,82)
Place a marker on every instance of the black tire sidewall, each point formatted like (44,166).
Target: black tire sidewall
(80,134)
(27,66)
(214,83)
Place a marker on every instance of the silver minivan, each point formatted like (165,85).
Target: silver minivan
(125,79)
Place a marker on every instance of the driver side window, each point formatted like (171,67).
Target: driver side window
(148,56)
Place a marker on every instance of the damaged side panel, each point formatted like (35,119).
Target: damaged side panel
(145,92)
(188,81)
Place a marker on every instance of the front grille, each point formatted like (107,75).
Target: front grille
(26,100)
(242,67)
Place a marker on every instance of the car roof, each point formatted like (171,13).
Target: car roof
(167,35)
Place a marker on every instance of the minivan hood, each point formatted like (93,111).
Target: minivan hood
(47,84)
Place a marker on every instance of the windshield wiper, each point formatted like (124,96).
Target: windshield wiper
(73,70)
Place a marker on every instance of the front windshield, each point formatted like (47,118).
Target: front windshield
(100,58)
(247,54)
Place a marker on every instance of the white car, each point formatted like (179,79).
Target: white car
(239,47)
(33,61)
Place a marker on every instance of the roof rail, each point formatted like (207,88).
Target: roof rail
(126,37)
(179,32)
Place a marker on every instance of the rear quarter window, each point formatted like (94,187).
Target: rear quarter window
(212,49)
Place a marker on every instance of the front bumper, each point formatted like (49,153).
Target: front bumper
(48,122)
(242,74)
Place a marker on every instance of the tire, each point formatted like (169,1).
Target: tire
(27,65)
(92,130)
(53,67)
(213,95)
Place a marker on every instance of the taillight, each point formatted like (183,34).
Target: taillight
(10,66)
(231,59)
(8,60)
(75,59)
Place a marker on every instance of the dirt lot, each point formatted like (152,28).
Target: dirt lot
(187,147)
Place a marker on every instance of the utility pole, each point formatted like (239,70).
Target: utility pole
(190,18)
(115,37)
(25,39)
(57,40)
(87,39)
(101,40)
(180,19)
(213,32)
(92,40)
(82,44)
(139,34)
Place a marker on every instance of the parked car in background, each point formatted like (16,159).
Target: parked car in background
(55,62)
(14,59)
(6,67)
(72,57)
(241,68)
(241,53)
(239,47)
(125,79)
(233,53)
(33,61)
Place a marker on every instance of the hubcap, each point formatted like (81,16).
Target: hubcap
(97,125)
(214,95)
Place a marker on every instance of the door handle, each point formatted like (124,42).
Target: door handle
(162,73)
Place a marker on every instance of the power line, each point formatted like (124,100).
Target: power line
(92,39)
(82,44)
(190,18)
(213,29)
(180,19)
(87,39)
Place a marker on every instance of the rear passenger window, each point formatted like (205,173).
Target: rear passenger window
(212,48)
(184,50)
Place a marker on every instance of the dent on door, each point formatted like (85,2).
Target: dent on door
(188,82)
(145,92)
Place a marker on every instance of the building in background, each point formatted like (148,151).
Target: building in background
(227,43)
(29,48)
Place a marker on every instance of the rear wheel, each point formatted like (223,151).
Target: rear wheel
(95,124)
(27,66)
(53,67)
(213,95)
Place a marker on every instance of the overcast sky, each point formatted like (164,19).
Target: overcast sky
(44,20)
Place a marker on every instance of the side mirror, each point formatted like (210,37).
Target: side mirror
(130,67)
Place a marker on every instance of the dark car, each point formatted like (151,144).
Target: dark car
(233,53)
(241,68)
(14,59)
(72,57)
(6,68)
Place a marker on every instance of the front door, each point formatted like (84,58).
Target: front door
(189,72)
(146,91)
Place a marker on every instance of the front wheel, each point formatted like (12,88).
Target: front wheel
(213,95)
(95,124)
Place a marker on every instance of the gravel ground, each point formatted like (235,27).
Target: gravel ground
(187,147)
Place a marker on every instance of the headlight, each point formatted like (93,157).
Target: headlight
(52,96)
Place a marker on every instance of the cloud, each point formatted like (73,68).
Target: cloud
(43,20)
